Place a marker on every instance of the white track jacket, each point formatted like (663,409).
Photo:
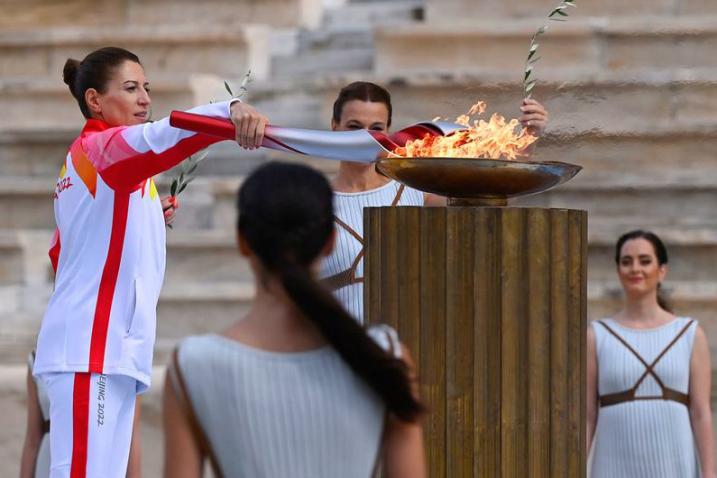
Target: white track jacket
(109,247)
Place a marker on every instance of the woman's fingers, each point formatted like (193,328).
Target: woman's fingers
(170,204)
(251,136)
(249,124)
(533,117)
(260,128)
(169,216)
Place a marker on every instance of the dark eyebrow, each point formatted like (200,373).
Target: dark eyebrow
(135,82)
(645,256)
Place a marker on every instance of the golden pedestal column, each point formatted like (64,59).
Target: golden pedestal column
(492,304)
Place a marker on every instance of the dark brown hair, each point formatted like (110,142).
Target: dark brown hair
(660,254)
(287,229)
(95,71)
(362,91)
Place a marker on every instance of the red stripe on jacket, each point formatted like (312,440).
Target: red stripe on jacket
(105,295)
(80,425)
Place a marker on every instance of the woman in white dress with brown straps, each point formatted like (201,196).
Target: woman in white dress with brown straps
(364,105)
(648,382)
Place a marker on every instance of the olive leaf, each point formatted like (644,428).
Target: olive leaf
(556,15)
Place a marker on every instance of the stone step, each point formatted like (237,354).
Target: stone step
(656,157)
(609,105)
(676,99)
(26,203)
(192,310)
(209,203)
(11,260)
(274,13)
(210,258)
(111,13)
(647,206)
(692,253)
(588,44)
(44,104)
(644,206)
(169,50)
(183,310)
(205,258)
(367,15)
(310,63)
(344,43)
(452,11)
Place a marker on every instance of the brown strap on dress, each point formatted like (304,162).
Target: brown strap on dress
(629,395)
(45,427)
(185,404)
(348,276)
(399,193)
(349,229)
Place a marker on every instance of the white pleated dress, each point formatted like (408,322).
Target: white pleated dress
(348,209)
(644,438)
(284,415)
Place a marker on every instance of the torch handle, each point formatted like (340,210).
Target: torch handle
(219,127)
(359,146)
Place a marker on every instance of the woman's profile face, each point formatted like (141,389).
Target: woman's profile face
(638,269)
(358,114)
(126,98)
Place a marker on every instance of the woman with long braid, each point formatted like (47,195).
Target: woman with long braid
(296,387)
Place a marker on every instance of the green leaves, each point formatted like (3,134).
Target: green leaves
(246,79)
(186,170)
(558,14)
(231,93)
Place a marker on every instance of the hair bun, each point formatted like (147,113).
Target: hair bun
(69,73)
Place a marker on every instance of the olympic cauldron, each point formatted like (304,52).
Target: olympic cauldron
(489,299)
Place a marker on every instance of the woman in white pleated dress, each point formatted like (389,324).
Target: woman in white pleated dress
(648,378)
(364,105)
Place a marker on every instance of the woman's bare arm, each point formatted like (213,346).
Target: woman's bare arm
(403,453)
(182,457)
(33,433)
(700,408)
(592,388)
(134,467)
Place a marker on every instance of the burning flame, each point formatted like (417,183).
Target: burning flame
(492,139)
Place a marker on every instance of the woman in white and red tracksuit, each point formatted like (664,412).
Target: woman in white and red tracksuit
(94,351)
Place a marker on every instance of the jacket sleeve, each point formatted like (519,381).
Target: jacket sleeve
(127,155)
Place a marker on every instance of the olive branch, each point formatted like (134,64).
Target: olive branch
(558,14)
(189,165)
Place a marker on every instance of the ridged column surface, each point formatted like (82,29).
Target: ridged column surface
(492,304)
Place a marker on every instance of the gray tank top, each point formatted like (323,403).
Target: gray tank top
(268,414)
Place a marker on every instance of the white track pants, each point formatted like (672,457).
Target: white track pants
(91,418)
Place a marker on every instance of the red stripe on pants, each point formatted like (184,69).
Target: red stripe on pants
(80,424)
(105,295)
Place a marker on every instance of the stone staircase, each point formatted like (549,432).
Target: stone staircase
(629,85)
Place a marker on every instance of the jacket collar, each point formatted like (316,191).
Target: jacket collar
(94,126)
